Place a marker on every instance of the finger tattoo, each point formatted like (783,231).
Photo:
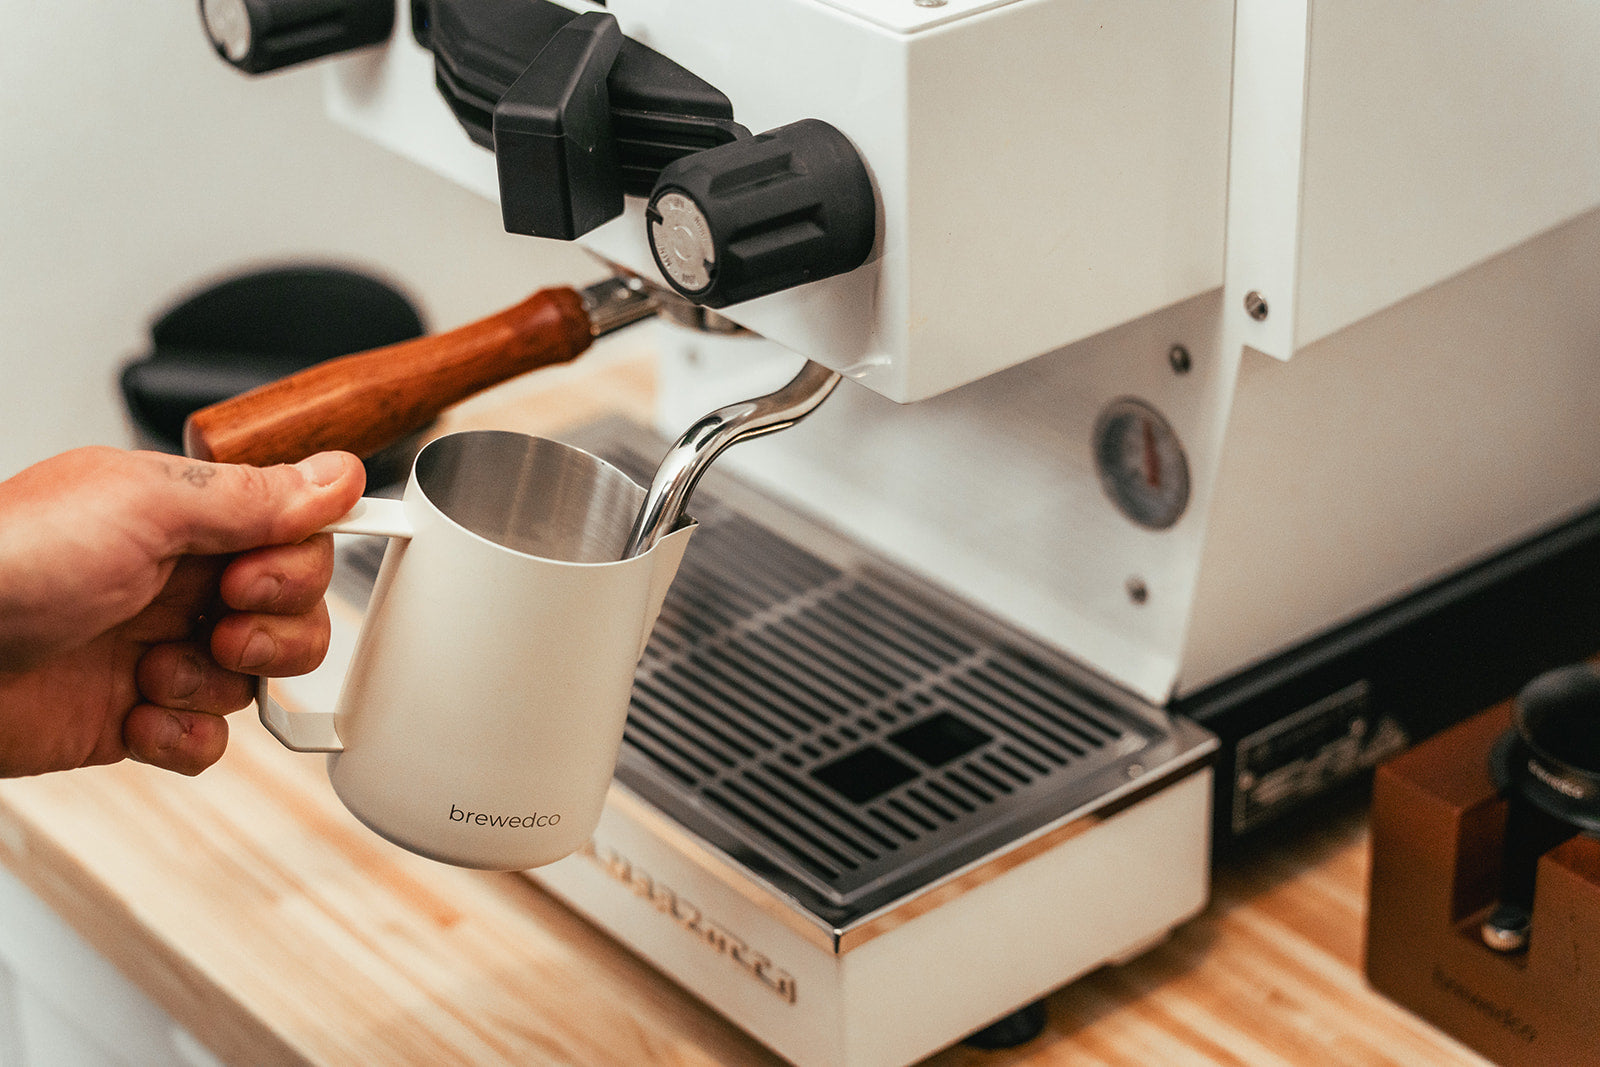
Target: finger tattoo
(197,474)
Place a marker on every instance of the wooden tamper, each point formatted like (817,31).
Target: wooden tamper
(1439,835)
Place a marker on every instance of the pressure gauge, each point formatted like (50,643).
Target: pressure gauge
(1141,463)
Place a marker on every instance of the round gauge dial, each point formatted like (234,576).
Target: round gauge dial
(1141,463)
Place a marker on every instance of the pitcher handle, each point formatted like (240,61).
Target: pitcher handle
(315,731)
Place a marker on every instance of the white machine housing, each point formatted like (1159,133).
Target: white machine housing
(1348,249)
(1079,143)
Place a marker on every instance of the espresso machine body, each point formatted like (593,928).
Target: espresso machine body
(1393,200)
(1185,341)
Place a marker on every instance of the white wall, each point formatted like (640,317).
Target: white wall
(135,166)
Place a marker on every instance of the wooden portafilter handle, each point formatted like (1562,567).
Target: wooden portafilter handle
(365,402)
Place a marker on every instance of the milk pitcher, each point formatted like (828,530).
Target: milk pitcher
(480,719)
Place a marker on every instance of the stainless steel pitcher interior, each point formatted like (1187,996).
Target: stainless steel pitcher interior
(531,495)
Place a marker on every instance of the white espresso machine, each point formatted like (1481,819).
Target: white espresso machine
(1219,362)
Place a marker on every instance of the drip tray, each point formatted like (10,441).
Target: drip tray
(844,732)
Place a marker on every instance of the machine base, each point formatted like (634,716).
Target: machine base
(963,958)
(1437,831)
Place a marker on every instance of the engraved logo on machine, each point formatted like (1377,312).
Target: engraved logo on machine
(691,918)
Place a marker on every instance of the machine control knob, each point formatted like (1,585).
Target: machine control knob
(762,214)
(262,35)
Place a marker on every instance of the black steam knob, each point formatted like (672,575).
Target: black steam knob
(261,35)
(762,214)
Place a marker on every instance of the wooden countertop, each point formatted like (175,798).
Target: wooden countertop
(255,910)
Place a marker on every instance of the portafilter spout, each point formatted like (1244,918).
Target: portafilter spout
(688,458)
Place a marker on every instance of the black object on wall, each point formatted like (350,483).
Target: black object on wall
(252,329)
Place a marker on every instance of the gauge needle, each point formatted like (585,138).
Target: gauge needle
(1152,461)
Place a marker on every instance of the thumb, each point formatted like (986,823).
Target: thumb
(216,508)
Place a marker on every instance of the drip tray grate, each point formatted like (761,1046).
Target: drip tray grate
(846,733)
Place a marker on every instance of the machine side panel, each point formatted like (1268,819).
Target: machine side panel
(1436,136)
(1009,461)
(1437,433)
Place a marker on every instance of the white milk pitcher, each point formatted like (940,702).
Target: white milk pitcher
(483,710)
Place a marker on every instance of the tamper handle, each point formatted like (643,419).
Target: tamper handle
(365,402)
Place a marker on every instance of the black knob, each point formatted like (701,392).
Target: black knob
(762,214)
(577,114)
(553,144)
(261,35)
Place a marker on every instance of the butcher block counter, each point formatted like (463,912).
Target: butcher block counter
(251,907)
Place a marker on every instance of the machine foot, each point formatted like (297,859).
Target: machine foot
(1018,1028)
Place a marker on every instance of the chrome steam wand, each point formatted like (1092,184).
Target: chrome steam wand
(687,460)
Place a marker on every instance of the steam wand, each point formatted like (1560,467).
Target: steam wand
(687,460)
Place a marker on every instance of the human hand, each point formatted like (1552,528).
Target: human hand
(140,592)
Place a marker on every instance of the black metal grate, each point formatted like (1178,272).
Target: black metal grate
(842,727)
